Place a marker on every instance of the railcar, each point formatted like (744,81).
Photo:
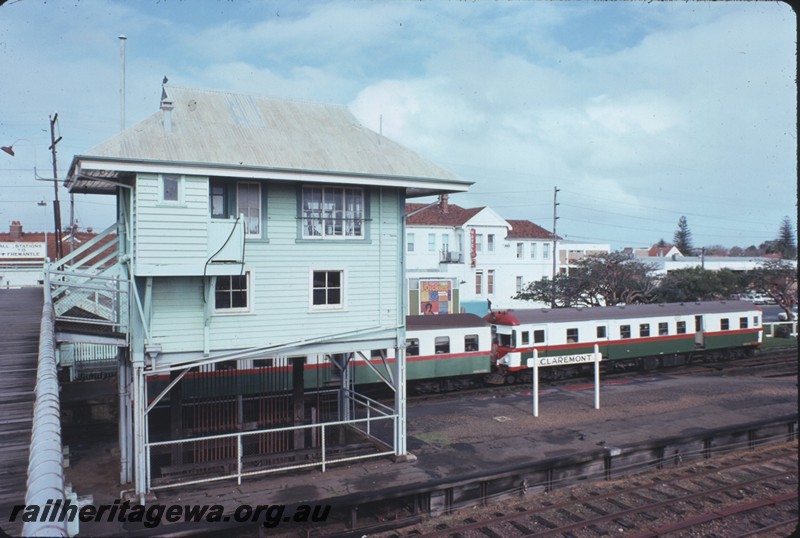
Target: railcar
(444,352)
(643,336)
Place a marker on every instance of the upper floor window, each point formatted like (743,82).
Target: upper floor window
(248,203)
(218,199)
(333,213)
(431,242)
(490,242)
(520,250)
(170,189)
(410,242)
(546,250)
(478,242)
(533,251)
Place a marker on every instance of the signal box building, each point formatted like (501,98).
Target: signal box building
(259,253)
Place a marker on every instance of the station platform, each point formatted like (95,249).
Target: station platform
(482,434)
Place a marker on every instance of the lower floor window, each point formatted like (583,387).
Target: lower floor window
(327,289)
(231,293)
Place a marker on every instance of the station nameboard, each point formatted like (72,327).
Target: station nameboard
(561,360)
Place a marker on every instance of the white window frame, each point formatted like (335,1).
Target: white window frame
(490,242)
(546,251)
(321,222)
(519,284)
(520,251)
(479,282)
(409,241)
(490,282)
(432,242)
(533,251)
(247,233)
(162,178)
(342,290)
(248,274)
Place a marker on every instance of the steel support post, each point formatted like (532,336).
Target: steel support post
(400,400)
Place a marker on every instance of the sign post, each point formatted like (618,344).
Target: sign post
(561,360)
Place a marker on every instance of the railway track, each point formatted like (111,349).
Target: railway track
(737,495)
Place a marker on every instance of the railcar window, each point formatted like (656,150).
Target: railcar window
(442,344)
(376,353)
(225,365)
(742,323)
(624,331)
(572,335)
(681,327)
(525,338)
(538,336)
(724,324)
(755,321)
(262,363)
(412,347)
(504,340)
(663,329)
(601,331)
(471,342)
(644,329)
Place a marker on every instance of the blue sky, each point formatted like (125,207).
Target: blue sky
(638,112)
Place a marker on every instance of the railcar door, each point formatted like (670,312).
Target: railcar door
(699,339)
(602,338)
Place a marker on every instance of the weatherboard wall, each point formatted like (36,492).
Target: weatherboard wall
(280,264)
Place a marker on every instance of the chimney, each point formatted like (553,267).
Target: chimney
(15,230)
(443,203)
(167,107)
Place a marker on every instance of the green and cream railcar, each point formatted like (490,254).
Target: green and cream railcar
(643,336)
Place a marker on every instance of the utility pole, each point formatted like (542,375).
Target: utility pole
(555,244)
(56,203)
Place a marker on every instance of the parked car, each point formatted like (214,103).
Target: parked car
(784,317)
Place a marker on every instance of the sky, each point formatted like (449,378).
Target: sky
(638,112)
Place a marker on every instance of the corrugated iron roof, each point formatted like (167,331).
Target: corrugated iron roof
(227,130)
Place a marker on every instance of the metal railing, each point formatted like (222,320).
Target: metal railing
(90,286)
(46,463)
(240,457)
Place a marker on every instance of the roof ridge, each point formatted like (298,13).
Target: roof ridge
(220,91)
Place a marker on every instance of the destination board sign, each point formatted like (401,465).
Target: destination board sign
(21,250)
(561,360)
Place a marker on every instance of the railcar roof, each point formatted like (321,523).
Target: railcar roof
(444,321)
(545,315)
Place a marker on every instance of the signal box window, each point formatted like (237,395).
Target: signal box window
(724,324)
(663,329)
(170,188)
(538,336)
(231,293)
(742,323)
(333,213)
(442,345)
(327,290)
(412,347)
(644,329)
(625,331)
(572,335)
(681,327)
(471,342)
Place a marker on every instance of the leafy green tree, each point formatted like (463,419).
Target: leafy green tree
(683,237)
(698,284)
(604,279)
(777,279)
(785,244)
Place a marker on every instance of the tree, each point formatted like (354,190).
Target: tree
(683,237)
(785,244)
(736,251)
(604,279)
(778,279)
(698,284)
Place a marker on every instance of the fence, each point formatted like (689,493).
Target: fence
(365,432)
